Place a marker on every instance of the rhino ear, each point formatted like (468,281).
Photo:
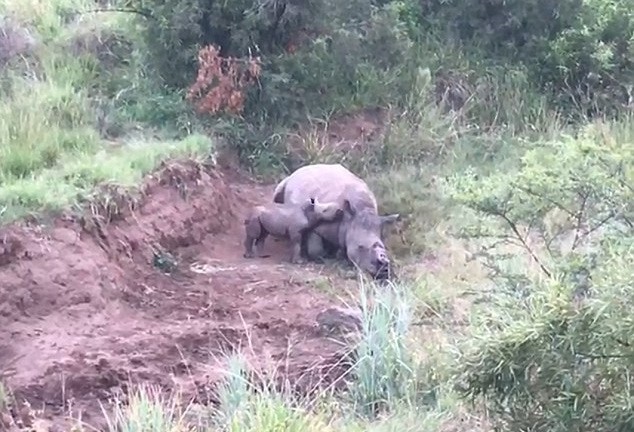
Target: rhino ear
(348,208)
(390,219)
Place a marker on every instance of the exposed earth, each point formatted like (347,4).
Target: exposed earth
(87,306)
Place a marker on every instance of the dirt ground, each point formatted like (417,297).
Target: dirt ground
(86,309)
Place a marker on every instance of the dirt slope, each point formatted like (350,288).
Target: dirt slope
(84,310)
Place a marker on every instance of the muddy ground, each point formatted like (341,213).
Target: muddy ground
(88,305)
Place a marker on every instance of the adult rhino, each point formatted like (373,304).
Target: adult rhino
(359,233)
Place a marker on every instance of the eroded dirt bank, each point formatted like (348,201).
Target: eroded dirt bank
(86,307)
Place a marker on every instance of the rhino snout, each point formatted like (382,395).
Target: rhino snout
(382,266)
(383,258)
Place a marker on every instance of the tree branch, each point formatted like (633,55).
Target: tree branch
(545,198)
(519,236)
(550,241)
(602,222)
(579,218)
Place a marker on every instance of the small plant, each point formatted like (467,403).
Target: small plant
(244,406)
(164,261)
(148,409)
(234,391)
(385,372)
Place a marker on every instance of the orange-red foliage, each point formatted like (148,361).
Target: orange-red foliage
(222,81)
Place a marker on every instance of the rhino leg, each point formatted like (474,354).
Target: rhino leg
(248,247)
(296,247)
(252,232)
(317,248)
(314,246)
(256,235)
(259,244)
(311,246)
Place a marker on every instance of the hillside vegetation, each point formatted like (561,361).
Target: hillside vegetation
(506,129)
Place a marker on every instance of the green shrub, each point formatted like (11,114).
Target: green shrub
(178,29)
(555,361)
(552,352)
(581,50)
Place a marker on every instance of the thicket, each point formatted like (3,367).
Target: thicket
(579,51)
(553,349)
(326,56)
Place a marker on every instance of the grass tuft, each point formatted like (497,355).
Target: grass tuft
(148,409)
(385,373)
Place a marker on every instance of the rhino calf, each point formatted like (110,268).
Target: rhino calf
(286,221)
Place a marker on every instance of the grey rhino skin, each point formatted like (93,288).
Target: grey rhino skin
(359,233)
(286,220)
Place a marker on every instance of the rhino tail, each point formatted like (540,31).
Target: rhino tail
(278,193)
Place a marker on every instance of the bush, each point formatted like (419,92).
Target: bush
(581,50)
(306,49)
(554,352)
(178,29)
(558,364)
(595,56)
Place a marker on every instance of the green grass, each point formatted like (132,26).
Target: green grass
(62,96)
(76,175)
(147,409)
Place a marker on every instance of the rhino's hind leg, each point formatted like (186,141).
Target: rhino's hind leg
(259,244)
(313,246)
(251,233)
(248,247)
(303,243)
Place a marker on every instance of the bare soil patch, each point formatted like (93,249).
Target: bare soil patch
(86,308)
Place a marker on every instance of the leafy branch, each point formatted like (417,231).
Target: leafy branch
(522,239)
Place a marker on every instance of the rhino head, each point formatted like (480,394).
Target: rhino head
(316,211)
(361,237)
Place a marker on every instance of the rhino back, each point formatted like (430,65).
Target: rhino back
(326,183)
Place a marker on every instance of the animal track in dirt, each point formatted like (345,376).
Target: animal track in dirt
(83,310)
